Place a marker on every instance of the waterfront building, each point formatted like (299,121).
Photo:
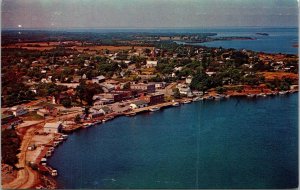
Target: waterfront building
(53,127)
(154,98)
(138,104)
(149,88)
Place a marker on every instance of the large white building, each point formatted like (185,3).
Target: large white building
(53,127)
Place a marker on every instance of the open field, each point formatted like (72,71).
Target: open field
(41,46)
(279,75)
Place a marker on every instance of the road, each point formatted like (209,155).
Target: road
(26,177)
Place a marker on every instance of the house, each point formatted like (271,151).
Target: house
(184,89)
(150,64)
(53,127)
(19,110)
(209,73)
(159,85)
(98,79)
(138,104)
(150,88)
(154,98)
(42,112)
(188,79)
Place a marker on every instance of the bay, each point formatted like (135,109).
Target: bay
(235,143)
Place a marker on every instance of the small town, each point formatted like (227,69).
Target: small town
(51,88)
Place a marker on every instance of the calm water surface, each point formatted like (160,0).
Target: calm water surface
(235,143)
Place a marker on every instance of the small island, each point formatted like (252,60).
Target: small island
(262,34)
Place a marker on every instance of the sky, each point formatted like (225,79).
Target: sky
(147,13)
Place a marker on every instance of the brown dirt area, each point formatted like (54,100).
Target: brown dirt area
(44,46)
(279,75)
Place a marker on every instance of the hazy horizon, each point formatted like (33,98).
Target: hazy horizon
(144,14)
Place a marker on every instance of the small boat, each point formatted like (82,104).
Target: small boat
(282,92)
(154,109)
(64,137)
(176,104)
(227,96)
(187,101)
(54,172)
(87,125)
(261,95)
(196,99)
(209,97)
(131,114)
(251,95)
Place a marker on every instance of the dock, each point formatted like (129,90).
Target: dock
(147,109)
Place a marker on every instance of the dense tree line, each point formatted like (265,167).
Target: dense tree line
(10,144)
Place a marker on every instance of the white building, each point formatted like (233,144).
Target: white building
(18,110)
(53,127)
(188,79)
(184,89)
(150,64)
(138,104)
(98,79)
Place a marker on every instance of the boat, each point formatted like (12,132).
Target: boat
(187,101)
(261,95)
(131,114)
(64,137)
(54,172)
(282,92)
(87,125)
(176,104)
(154,109)
(196,99)
(251,95)
(209,97)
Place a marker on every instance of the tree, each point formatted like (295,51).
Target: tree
(77,119)
(201,81)
(66,102)
(220,90)
(10,144)
(176,93)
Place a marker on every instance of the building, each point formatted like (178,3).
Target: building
(43,112)
(138,104)
(188,79)
(154,98)
(149,88)
(18,110)
(53,127)
(184,89)
(159,85)
(98,79)
(150,64)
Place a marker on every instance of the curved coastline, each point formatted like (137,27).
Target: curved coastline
(182,102)
(243,96)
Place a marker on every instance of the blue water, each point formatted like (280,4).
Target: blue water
(235,143)
(280,40)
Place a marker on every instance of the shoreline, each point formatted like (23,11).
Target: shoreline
(180,101)
(244,97)
(43,173)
